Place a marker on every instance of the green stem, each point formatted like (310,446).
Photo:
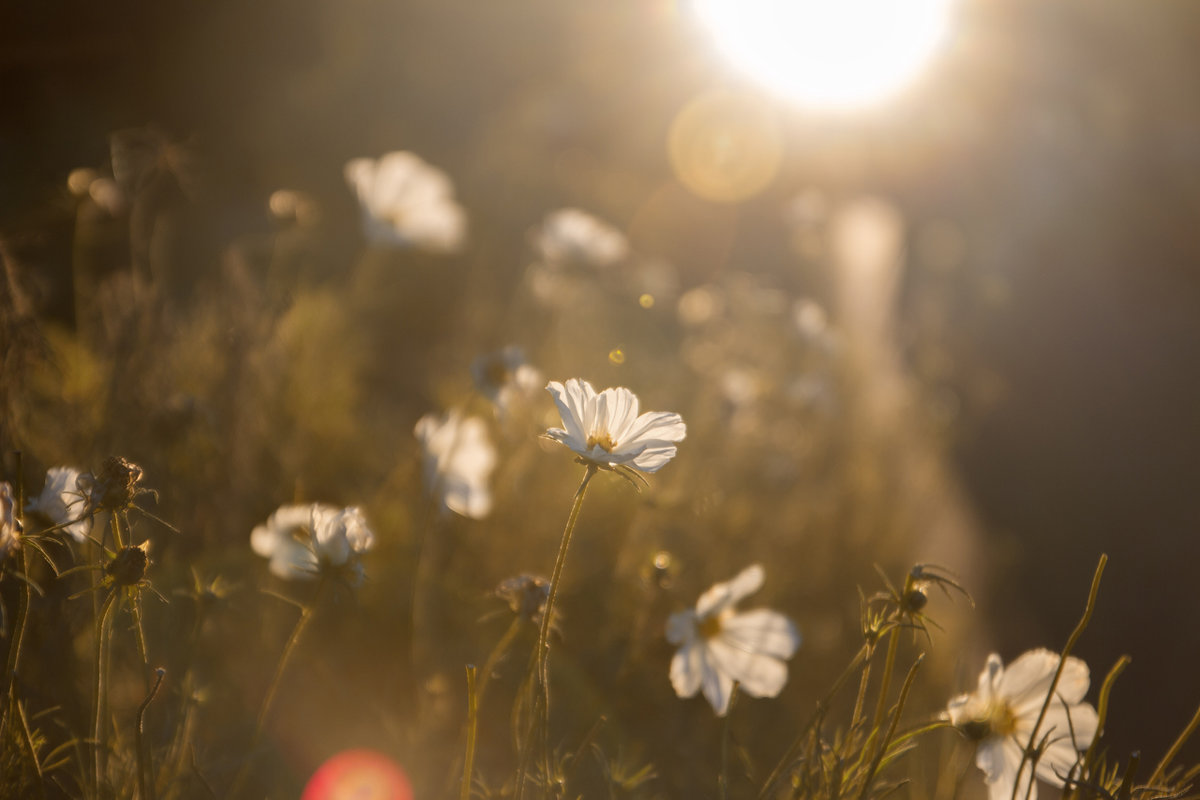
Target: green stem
(264,712)
(1102,710)
(542,663)
(98,728)
(145,782)
(885,681)
(1062,662)
(118,542)
(1175,748)
(863,682)
(891,732)
(472,725)
(23,601)
(818,714)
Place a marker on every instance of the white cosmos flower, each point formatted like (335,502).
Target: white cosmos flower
(304,541)
(459,459)
(718,645)
(1001,712)
(62,502)
(569,236)
(505,377)
(407,203)
(607,430)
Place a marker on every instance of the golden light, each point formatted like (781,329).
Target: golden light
(828,53)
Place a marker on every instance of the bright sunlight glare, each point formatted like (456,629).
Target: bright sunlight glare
(828,53)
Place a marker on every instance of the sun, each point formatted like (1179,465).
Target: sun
(828,53)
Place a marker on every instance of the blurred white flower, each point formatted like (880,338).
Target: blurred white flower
(606,429)
(459,459)
(505,377)
(63,502)
(1001,712)
(10,526)
(407,203)
(718,645)
(569,236)
(304,541)
(289,205)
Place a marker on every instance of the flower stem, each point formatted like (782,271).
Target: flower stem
(306,615)
(542,653)
(886,678)
(472,724)
(145,778)
(1161,769)
(1062,662)
(863,681)
(814,721)
(98,728)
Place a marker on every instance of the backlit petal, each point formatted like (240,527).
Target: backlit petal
(724,595)
(761,631)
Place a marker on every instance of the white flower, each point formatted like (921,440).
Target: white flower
(607,430)
(570,236)
(459,459)
(1001,712)
(505,377)
(10,525)
(407,203)
(718,645)
(63,502)
(303,541)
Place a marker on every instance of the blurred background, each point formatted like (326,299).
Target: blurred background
(1036,183)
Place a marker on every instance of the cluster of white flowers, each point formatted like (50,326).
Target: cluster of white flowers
(459,459)
(307,541)
(64,502)
(719,647)
(406,202)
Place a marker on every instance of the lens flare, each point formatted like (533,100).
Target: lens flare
(358,775)
(725,147)
(828,53)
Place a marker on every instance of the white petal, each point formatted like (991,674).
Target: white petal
(1000,759)
(621,412)
(993,671)
(263,540)
(652,458)
(724,595)
(293,561)
(687,669)
(571,400)
(761,631)
(1027,680)
(663,426)
(717,686)
(681,627)
(329,537)
(759,675)
(1056,762)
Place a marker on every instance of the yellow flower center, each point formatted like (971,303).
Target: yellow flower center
(603,439)
(997,720)
(710,627)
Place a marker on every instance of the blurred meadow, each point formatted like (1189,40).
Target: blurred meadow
(284,288)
